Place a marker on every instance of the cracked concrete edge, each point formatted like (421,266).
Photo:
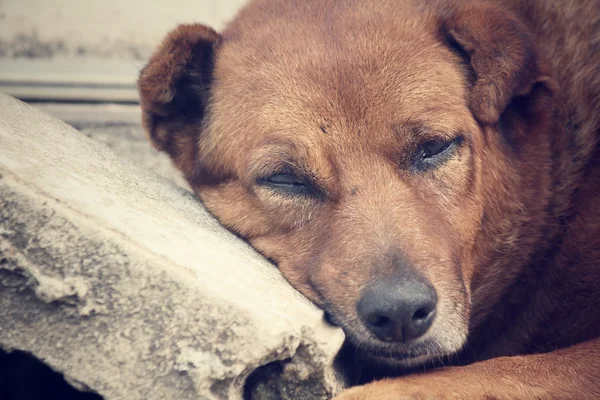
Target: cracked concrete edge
(121,281)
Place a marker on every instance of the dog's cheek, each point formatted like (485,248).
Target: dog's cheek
(459,201)
(235,209)
(279,231)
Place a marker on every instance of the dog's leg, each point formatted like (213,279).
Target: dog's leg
(571,373)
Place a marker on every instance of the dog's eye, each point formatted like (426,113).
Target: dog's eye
(434,152)
(435,147)
(285,179)
(288,183)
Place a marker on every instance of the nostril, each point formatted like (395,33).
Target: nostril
(383,327)
(421,314)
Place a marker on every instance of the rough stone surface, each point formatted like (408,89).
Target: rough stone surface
(120,280)
(119,127)
(129,140)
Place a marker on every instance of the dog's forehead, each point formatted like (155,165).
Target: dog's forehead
(337,67)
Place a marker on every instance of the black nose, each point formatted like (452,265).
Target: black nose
(398,311)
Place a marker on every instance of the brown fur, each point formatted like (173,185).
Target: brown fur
(345,94)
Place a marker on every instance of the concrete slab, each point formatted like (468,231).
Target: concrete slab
(86,114)
(121,281)
(119,127)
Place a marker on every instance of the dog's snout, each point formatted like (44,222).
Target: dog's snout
(398,310)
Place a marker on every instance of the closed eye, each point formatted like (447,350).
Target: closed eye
(288,183)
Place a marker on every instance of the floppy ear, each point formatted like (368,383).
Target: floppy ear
(174,88)
(502,54)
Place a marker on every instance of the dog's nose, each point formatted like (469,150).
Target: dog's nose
(398,311)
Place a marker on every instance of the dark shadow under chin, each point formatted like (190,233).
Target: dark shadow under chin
(361,365)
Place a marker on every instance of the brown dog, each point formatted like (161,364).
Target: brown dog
(426,171)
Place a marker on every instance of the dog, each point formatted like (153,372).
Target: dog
(426,171)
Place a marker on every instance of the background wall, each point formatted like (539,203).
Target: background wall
(122,29)
(90,50)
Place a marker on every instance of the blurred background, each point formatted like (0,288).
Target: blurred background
(90,50)
(78,60)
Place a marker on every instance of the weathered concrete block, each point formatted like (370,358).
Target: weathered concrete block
(119,126)
(120,280)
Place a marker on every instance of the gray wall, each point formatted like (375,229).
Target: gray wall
(123,29)
(90,50)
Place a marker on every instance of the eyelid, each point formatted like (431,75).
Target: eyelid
(443,144)
(268,158)
(455,140)
(292,178)
(284,169)
(424,164)
(304,188)
(271,167)
(314,189)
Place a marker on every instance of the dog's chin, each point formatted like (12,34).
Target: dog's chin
(402,357)
(365,361)
(402,362)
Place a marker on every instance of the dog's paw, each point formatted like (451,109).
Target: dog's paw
(390,390)
(355,393)
(447,385)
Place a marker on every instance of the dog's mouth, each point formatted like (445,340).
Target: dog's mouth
(399,355)
(392,355)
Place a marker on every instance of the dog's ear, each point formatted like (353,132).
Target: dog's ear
(174,88)
(502,55)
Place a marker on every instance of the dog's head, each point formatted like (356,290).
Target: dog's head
(378,152)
